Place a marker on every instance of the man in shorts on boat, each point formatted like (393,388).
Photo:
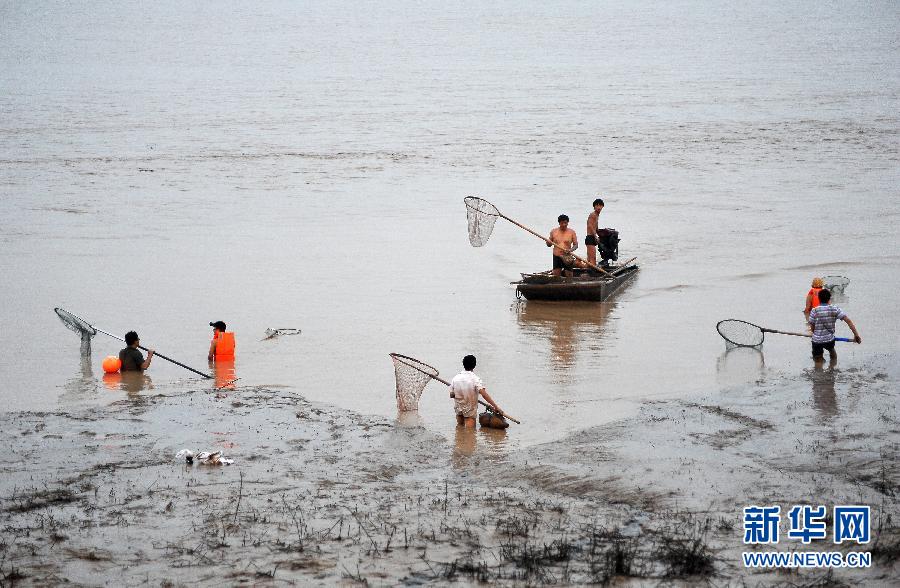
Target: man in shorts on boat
(465,387)
(822,321)
(131,357)
(591,236)
(568,240)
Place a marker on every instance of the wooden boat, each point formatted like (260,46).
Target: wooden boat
(584,285)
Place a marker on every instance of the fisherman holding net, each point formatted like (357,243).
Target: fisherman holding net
(822,321)
(566,237)
(465,387)
(132,359)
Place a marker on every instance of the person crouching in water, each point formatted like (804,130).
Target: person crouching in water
(465,388)
(221,348)
(822,320)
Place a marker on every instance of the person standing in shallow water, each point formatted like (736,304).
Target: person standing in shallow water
(465,387)
(822,320)
(221,348)
(131,357)
(590,239)
(568,242)
(812,297)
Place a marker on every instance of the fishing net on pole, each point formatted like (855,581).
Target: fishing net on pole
(272,333)
(80,326)
(412,376)
(481,215)
(835,283)
(740,333)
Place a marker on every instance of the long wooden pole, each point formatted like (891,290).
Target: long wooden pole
(807,335)
(624,266)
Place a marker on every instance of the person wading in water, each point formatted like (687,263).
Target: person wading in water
(132,359)
(221,348)
(812,297)
(822,321)
(465,387)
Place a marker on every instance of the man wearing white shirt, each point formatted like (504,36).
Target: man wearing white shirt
(464,390)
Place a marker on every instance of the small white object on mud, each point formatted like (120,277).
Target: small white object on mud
(213,458)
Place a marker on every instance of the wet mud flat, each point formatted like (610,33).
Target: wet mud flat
(321,496)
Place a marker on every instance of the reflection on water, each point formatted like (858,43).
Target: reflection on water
(823,393)
(130,382)
(409,419)
(84,382)
(739,365)
(564,328)
(495,443)
(224,373)
(489,444)
(463,447)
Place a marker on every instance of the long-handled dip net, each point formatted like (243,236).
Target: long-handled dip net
(738,333)
(835,283)
(87,331)
(412,377)
(482,215)
(272,333)
(79,326)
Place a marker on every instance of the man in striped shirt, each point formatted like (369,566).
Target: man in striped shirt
(822,320)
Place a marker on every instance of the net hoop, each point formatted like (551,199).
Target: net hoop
(270,332)
(740,333)
(835,283)
(481,206)
(411,376)
(481,216)
(75,323)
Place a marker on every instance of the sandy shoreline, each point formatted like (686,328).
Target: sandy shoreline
(318,495)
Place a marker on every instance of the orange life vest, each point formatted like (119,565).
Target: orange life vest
(224,345)
(813,291)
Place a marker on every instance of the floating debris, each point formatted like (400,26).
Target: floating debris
(211,458)
(272,333)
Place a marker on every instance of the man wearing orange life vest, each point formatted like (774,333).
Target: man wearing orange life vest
(222,345)
(812,297)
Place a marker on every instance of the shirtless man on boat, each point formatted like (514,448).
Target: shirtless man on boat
(566,238)
(590,239)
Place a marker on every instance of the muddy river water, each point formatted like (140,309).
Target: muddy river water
(303,165)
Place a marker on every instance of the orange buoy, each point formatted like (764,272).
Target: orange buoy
(111,364)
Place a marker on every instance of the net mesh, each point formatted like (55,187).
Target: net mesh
(481,215)
(835,283)
(271,333)
(412,376)
(80,326)
(740,333)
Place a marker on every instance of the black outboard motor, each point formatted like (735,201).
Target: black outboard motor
(608,245)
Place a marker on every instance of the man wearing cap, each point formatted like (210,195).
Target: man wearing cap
(222,345)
